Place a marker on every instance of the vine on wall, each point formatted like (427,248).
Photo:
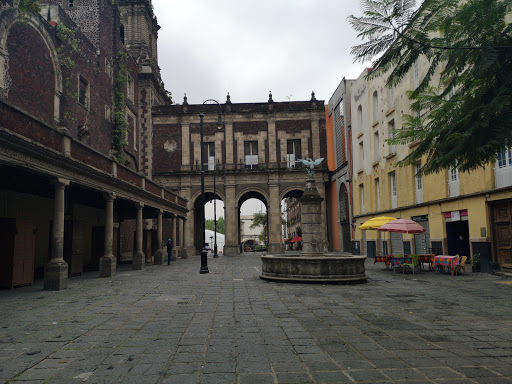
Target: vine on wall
(70,45)
(29,6)
(120,126)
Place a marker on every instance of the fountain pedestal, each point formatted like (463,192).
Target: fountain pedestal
(312,264)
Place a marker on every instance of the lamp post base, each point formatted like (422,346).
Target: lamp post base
(204,262)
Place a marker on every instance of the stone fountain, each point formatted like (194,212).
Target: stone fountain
(312,264)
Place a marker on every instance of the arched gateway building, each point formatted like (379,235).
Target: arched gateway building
(254,155)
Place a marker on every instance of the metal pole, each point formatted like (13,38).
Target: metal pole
(215,254)
(204,252)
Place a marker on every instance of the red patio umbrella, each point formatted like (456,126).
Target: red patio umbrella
(402,226)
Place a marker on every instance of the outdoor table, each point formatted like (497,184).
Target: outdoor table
(445,261)
(426,258)
(383,259)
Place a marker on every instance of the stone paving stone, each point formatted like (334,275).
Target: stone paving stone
(255,378)
(293,378)
(180,379)
(158,325)
(218,378)
(331,377)
(366,375)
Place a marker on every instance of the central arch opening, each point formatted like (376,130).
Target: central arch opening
(253,222)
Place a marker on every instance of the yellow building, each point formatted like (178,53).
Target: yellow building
(463,213)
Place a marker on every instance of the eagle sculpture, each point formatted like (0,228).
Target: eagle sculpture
(310,165)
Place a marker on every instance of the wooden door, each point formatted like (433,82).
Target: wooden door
(502,223)
(7,235)
(24,248)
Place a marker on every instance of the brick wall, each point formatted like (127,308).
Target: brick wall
(31,77)
(167,148)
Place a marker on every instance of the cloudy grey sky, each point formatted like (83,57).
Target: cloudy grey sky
(248,48)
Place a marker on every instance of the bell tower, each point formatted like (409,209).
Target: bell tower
(139,34)
(139,31)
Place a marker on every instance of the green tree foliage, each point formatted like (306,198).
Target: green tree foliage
(464,118)
(260,220)
(209,224)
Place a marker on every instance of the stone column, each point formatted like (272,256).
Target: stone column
(231,220)
(275,241)
(174,254)
(108,261)
(188,234)
(159,254)
(56,271)
(138,257)
(184,251)
(311,216)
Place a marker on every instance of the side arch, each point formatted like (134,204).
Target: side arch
(10,17)
(290,189)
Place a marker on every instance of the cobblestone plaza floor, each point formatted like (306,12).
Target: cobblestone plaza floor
(169,324)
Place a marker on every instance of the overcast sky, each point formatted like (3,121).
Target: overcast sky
(248,48)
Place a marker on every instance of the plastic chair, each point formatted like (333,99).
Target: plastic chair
(413,264)
(461,265)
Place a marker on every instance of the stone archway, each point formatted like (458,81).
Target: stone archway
(249,193)
(197,215)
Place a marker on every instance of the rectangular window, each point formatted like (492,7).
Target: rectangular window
(416,74)
(360,118)
(453,182)
(391,97)
(341,108)
(504,159)
(361,155)
(130,88)
(251,154)
(418,182)
(394,195)
(361,193)
(391,135)
(209,156)
(293,153)
(83,92)
(376,146)
(377,193)
(108,114)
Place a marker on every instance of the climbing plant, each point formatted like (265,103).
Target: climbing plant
(29,6)
(69,45)
(120,125)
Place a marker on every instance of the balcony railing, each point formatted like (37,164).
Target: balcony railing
(249,167)
(503,177)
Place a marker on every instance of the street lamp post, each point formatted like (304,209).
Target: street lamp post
(215,254)
(220,124)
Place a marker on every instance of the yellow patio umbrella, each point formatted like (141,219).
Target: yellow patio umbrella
(376,222)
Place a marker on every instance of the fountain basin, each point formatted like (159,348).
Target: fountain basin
(314,269)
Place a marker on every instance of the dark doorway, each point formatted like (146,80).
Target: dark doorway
(457,236)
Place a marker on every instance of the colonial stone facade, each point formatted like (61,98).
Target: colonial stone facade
(70,203)
(256,152)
